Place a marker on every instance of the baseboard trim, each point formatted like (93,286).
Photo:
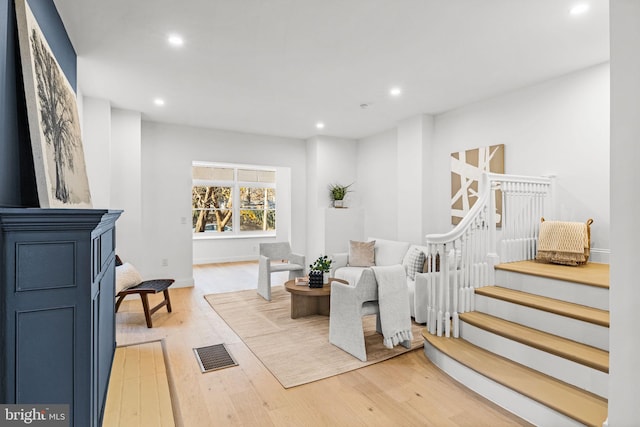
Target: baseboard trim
(183,283)
(600,255)
(202,261)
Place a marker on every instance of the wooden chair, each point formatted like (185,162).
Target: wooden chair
(144,289)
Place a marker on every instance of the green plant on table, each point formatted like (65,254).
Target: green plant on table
(323,263)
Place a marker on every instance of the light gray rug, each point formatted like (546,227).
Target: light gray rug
(296,351)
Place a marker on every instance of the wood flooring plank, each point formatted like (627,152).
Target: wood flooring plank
(357,398)
(551,305)
(114,392)
(138,392)
(571,401)
(592,273)
(572,350)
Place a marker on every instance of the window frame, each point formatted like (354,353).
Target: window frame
(235,186)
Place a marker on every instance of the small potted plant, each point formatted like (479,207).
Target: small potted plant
(338,192)
(319,271)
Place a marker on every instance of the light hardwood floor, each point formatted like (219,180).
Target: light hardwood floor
(405,391)
(139,389)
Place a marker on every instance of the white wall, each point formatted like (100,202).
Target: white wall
(341,226)
(414,145)
(126,186)
(624,375)
(377,179)
(168,151)
(558,127)
(329,161)
(96,141)
(113,154)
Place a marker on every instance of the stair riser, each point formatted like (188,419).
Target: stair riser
(505,397)
(565,370)
(577,330)
(590,296)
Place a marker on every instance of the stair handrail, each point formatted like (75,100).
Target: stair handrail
(463,259)
(466,221)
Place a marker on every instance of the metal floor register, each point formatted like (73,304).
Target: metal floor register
(214,357)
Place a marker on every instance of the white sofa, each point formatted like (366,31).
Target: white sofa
(387,252)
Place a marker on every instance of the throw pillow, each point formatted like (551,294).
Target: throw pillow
(361,254)
(390,252)
(414,262)
(126,277)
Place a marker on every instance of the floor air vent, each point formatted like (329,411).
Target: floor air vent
(214,357)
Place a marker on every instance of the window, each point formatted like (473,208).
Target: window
(233,199)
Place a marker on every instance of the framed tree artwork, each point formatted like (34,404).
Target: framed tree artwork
(466,170)
(54,126)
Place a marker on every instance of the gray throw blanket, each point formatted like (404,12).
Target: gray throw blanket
(393,300)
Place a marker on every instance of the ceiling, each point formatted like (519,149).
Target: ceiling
(277,67)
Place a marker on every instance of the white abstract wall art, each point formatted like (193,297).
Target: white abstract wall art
(466,170)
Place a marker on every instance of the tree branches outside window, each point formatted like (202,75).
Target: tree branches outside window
(233,199)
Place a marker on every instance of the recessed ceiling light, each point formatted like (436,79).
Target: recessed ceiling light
(175,40)
(395,91)
(320,125)
(579,9)
(159,102)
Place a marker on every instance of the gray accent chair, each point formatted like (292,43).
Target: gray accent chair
(276,257)
(349,304)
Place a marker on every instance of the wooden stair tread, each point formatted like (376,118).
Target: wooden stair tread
(551,305)
(564,398)
(571,350)
(593,273)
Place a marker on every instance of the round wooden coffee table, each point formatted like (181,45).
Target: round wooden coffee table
(306,301)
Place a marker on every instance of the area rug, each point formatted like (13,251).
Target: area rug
(296,351)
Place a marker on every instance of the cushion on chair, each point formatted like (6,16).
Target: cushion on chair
(361,254)
(285,266)
(389,252)
(126,277)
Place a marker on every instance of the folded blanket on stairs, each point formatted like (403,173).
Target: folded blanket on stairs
(563,242)
(393,302)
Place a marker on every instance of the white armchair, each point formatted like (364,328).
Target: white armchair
(349,303)
(276,257)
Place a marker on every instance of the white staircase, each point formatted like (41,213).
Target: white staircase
(536,344)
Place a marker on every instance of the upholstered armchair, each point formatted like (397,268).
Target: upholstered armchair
(276,257)
(349,303)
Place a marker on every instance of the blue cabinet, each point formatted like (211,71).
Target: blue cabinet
(57,321)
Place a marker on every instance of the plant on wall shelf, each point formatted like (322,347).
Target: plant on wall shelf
(338,192)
